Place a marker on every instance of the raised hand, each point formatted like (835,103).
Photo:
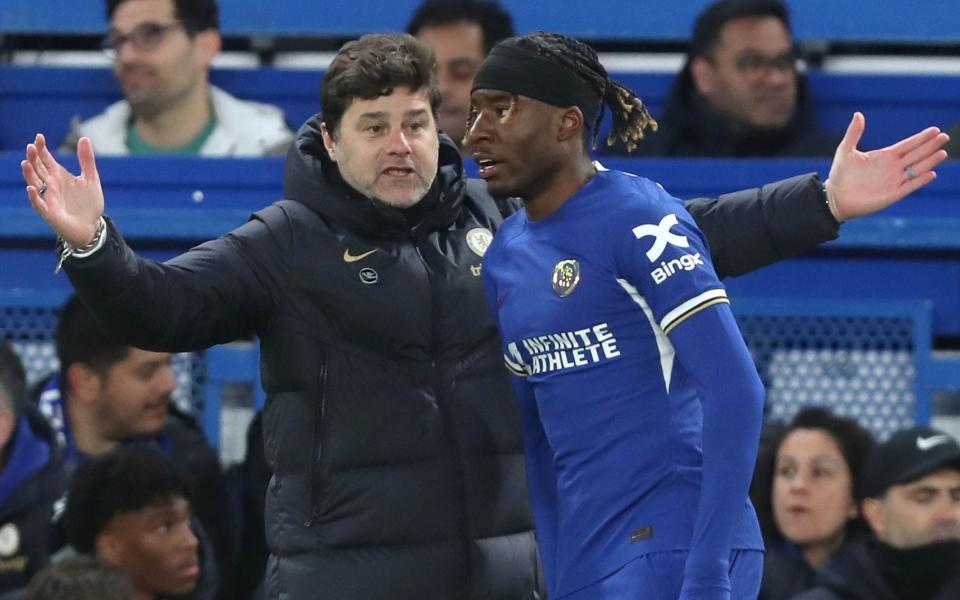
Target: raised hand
(71,205)
(861,183)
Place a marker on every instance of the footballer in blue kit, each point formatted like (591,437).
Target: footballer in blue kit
(640,404)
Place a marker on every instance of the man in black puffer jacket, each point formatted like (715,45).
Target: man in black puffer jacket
(389,425)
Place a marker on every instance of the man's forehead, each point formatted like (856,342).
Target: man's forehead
(460,40)
(159,508)
(759,33)
(133,12)
(400,100)
(948,477)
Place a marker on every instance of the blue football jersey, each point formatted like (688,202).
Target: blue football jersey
(585,299)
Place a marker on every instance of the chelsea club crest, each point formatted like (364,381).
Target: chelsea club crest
(566,276)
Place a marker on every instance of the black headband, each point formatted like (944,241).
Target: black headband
(526,73)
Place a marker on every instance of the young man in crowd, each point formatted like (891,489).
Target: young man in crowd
(130,508)
(162,51)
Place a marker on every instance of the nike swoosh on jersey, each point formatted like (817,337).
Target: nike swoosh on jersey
(349,258)
(924,444)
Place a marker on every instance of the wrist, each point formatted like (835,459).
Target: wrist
(831,201)
(66,250)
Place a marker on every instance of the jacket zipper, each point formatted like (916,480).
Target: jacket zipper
(438,386)
(317,448)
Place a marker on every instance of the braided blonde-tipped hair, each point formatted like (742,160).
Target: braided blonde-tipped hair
(631,118)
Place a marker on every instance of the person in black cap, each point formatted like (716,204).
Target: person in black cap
(911,500)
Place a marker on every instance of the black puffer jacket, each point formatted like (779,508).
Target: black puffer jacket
(853,574)
(389,425)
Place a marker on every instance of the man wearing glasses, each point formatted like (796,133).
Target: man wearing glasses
(162,51)
(739,93)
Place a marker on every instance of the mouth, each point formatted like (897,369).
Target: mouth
(398,172)
(487,166)
(797,510)
(190,569)
(158,407)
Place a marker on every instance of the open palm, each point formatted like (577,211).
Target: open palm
(861,183)
(70,204)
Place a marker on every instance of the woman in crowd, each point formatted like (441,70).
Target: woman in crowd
(804,496)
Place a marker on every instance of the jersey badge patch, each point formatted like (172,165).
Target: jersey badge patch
(566,276)
(478,240)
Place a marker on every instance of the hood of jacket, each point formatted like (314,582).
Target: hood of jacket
(313,179)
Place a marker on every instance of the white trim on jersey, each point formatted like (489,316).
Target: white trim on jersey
(692,307)
(667,352)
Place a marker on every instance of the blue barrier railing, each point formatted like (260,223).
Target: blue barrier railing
(839,20)
(47,98)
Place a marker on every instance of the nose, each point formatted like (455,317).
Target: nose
(399,143)
(125,51)
(798,483)
(187,538)
(477,129)
(444,84)
(167,381)
(776,76)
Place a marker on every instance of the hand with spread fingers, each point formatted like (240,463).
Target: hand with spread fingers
(71,205)
(861,183)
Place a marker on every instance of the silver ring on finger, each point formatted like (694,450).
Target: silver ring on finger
(43,189)
(911,174)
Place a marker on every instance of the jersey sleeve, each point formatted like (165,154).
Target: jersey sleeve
(663,256)
(538,455)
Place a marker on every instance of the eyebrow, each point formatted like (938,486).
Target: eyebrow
(494,95)
(381,114)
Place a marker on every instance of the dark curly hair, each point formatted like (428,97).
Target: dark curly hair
(855,444)
(126,479)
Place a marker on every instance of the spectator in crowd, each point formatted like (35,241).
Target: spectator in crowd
(461,33)
(107,393)
(389,425)
(32,481)
(162,55)
(80,578)
(130,507)
(804,495)
(911,500)
(739,93)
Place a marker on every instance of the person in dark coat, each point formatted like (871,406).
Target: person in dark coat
(911,499)
(739,93)
(389,426)
(130,507)
(33,480)
(805,498)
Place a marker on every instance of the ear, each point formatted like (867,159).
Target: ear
(571,124)
(208,44)
(7,425)
(701,71)
(328,142)
(871,509)
(108,547)
(83,383)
